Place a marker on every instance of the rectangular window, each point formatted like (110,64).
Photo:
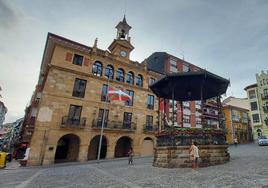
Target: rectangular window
(74,114)
(104,92)
(79,88)
(253,106)
(127,120)
(185,68)
(150,102)
(149,121)
(252,94)
(256,118)
(186,119)
(78,59)
(130,102)
(100,116)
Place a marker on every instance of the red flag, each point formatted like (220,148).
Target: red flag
(161,108)
(118,94)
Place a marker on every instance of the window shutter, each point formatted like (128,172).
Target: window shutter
(86,62)
(69,57)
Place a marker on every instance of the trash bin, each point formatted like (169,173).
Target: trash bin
(2,159)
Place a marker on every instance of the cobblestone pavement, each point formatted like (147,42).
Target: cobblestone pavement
(248,168)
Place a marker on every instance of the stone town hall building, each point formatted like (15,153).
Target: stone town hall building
(67,106)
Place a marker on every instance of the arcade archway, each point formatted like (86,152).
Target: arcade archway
(122,147)
(147,148)
(67,148)
(93,148)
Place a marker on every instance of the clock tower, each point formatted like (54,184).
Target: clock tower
(121,46)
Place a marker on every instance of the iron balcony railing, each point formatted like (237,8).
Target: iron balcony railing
(265,109)
(114,125)
(264,97)
(149,128)
(73,122)
(266,121)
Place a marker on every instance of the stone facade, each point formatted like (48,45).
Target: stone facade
(258,101)
(57,137)
(178,156)
(237,124)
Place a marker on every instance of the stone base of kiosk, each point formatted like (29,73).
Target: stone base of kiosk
(178,156)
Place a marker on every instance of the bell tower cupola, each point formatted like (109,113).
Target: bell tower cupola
(123,30)
(121,46)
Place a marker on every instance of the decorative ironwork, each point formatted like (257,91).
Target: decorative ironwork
(116,125)
(73,122)
(149,128)
(266,121)
(185,136)
(264,97)
(265,109)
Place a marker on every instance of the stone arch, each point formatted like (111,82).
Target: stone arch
(109,72)
(147,147)
(97,68)
(259,132)
(122,146)
(67,148)
(93,148)
(139,80)
(120,75)
(130,78)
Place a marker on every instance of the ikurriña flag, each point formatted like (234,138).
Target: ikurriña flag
(118,94)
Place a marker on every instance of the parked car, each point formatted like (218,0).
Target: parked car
(263,141)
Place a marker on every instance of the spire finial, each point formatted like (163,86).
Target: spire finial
(124,19)
(95,43)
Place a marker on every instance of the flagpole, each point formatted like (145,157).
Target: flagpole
(103,119)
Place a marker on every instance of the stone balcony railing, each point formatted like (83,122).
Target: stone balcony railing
(70,122)
(114,125)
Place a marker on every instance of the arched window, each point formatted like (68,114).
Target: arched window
(130,78)
(139,80)
(259,132)
(109,72)
(97,68)
(120,75)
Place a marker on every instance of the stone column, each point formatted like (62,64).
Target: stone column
(83,152)
(110,151)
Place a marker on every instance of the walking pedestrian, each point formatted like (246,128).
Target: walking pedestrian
(235,142)
(194,155)
(130,156)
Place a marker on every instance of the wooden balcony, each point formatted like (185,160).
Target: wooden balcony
(114,125)
(71,122)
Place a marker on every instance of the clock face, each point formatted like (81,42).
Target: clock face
(123,53)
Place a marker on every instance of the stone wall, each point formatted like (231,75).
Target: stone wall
(178,156)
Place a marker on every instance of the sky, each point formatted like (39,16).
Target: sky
(228,38)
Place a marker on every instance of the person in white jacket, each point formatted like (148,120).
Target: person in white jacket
(194,155)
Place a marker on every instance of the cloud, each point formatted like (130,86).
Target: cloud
(8,16)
